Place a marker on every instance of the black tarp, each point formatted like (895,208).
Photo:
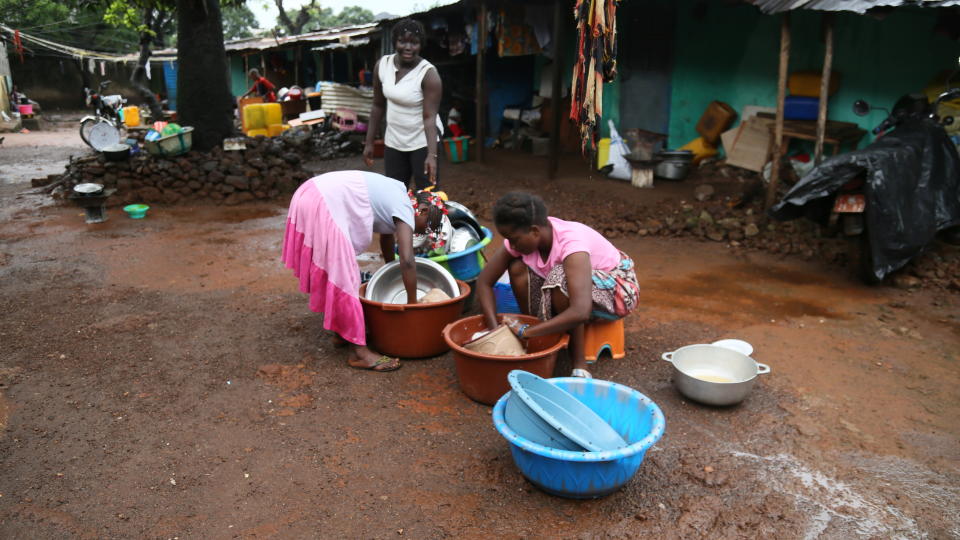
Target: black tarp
(912,191)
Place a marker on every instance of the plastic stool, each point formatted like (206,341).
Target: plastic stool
(599,335)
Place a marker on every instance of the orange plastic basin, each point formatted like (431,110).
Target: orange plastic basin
(483,377)
(411,330)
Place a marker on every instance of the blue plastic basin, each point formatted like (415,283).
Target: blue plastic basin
(588,475)
(467,264)
(547,409)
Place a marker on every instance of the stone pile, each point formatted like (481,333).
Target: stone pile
(265,169)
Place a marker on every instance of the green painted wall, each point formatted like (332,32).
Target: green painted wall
(730,53)
(238,79)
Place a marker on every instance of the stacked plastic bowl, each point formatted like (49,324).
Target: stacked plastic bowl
(574,437)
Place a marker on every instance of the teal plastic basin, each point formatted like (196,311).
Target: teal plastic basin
(136,211)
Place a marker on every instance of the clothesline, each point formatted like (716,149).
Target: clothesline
(73,52)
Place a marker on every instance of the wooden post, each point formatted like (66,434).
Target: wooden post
(555,92)
(824,86)
(297,57)
(481,86)
(781,96)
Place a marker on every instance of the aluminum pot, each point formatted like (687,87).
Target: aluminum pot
(714,375)
(386,284)
(675,165)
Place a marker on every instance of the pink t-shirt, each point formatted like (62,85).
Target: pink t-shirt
(571,237)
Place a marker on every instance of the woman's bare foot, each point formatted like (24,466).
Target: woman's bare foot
(362,357)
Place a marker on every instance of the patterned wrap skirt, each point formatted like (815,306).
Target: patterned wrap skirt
(614,293)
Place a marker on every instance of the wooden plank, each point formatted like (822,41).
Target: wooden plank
(553,159)
(480,86)
(781,96)
(824,86)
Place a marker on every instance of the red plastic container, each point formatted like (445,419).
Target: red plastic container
(483,377)
(411,330)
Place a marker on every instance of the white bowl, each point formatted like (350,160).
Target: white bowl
(738,345)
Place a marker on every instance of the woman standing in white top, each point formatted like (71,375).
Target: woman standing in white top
(408,88)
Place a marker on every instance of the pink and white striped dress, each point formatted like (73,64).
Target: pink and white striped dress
(331,220)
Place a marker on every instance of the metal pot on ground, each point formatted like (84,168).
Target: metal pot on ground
(712,374)
(675,164)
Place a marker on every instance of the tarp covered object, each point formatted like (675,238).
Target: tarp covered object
(913,191)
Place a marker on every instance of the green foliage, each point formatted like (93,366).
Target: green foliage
(349,15)
(238,22)
(78,23)
(311,17)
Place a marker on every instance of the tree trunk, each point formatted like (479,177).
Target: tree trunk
(140,72)
(203,91)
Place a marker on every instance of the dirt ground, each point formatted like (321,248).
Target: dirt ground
(163,378)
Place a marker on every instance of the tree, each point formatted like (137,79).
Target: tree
(70,22)
(301,17)
(312,17)
(203,91)
(238,22)
(349,15)
(152,19)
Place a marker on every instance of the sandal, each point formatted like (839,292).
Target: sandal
(383,364)
(582,373)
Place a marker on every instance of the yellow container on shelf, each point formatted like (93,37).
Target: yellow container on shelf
(131,116)
(603,152)
(272,114)
(701,149)
(257,132)
(274,129)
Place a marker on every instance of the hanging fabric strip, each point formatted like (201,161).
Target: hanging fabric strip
(596,63)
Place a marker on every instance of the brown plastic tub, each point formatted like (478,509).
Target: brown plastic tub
(411,331)
(483,377)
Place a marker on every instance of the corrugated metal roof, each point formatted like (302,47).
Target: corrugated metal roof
(359,42)
(855,6)
(331,34)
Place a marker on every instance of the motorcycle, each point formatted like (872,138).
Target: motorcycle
(104,127)
(891,198)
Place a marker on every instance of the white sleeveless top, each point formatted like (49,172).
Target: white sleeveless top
(404,105)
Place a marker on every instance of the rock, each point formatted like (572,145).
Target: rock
(215,177)
(715,234)
(194,185)
(237,198)
(703,192)
(227,188)
(751,230)
(238,182)
(124,184)
(291,158)
(149,194)
(729,223)
(210,166)
(171,197)
(905,281)
(735,235)
(705,218)
(257,163)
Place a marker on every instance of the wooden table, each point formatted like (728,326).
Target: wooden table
(837,133)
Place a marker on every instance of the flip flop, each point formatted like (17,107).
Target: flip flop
(382,365)
(582,373)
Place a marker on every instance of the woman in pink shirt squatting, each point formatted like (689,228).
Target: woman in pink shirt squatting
(563,272)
